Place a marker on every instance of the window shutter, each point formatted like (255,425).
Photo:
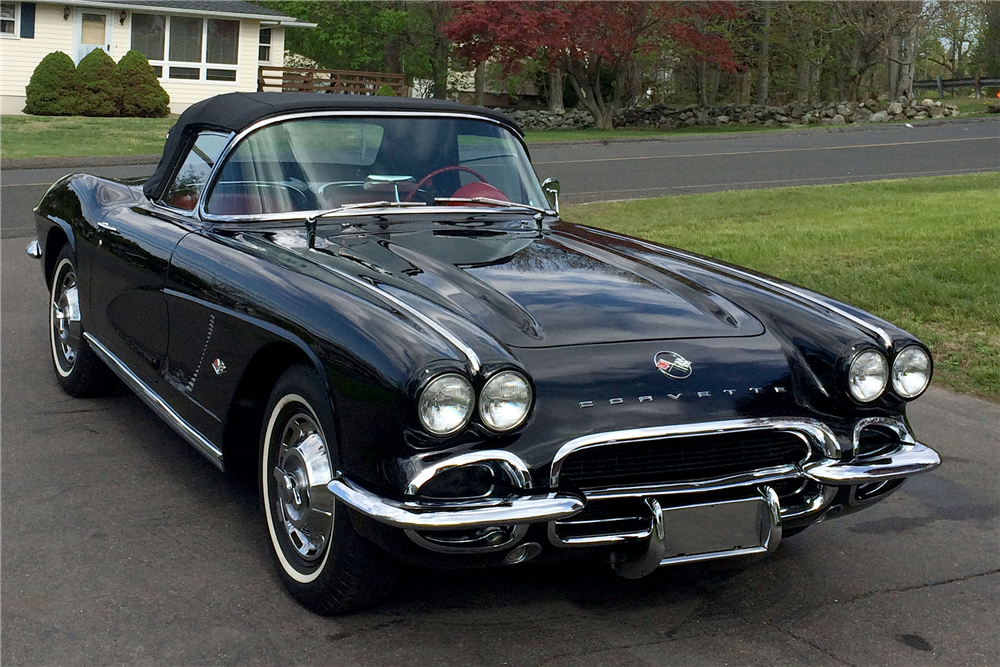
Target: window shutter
(28,20)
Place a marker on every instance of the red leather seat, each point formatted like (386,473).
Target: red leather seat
(480,189)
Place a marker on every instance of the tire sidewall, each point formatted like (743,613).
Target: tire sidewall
(64,264)
(298,390)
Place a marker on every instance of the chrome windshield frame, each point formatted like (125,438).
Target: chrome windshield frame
(201,214)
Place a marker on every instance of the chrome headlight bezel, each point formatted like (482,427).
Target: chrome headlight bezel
(906,356)
(447,383)
(486,395)
(861,367)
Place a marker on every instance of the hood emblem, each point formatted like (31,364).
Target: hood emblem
(672,364)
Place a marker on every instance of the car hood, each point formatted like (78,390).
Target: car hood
(531,287)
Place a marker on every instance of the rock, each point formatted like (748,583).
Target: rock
(689,122)
(880,117)
(769,122)
(723,120)
(927,102)
(838,120)
(937,112)
(844,109)
(895,108)
(923,114)
(780,118)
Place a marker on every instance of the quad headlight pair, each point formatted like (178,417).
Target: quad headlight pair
(869,374)
(447,402)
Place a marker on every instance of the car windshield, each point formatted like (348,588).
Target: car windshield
(324,163)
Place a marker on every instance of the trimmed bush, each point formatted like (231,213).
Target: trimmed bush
(385,91)
(140,93)
(98,85)
(53,88)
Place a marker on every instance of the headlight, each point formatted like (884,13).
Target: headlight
(911,372)
(446,404)
(868,376)
(505,401)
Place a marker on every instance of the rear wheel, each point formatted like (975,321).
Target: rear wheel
(79,371)
(322,561)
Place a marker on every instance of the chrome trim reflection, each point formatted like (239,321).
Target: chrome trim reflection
(457,515)
(898,427)
(513,465)
(159,406)
(903,461)
(34,249)
(653,556)
(819,435)
(762,476)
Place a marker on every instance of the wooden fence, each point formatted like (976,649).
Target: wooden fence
(976,83)
(309,80)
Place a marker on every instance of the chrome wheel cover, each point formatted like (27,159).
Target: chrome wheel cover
(65,329)
(303,504)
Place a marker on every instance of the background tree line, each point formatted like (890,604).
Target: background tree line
(606,55)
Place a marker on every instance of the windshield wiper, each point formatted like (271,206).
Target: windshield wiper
(500,203)
(367,204)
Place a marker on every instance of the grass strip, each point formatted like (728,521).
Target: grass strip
(65,136)
(923,253)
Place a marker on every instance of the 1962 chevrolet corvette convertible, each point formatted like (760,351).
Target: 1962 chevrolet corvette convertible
(374,304)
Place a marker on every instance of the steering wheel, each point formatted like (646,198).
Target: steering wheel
(455,167)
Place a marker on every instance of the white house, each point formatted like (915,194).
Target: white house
(198,48)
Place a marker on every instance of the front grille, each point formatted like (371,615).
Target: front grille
(681,459)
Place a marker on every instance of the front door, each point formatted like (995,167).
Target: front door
(93,30)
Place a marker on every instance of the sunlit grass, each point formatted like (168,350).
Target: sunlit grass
(68,136)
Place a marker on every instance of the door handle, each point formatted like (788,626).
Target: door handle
(110,228)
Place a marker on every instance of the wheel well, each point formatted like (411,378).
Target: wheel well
(54,243)
(246,413)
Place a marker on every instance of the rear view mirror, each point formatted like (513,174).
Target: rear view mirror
(550,186)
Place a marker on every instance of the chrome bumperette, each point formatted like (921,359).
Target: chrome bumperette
(159,406)
(420,515)
(905,460)
(34,249)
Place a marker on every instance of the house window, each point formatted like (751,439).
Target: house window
(8,19)
(264,50)
(192,49)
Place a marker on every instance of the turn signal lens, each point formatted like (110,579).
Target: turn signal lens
(446,404)
(868,376)
(911,372)
(505,401)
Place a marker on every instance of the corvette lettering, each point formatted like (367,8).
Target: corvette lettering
(699,395)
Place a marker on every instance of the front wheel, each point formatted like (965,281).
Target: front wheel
(322,561)
(79,371)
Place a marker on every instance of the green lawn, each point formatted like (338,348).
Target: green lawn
(60,136)
(923,253)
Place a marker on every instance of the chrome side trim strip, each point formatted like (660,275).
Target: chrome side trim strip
(819,434)
(158,405)
(455,341)
(455,516)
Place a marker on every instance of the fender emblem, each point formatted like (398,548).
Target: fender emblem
(672,364)
(219,366)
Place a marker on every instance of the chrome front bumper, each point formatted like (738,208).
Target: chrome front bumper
(837,466)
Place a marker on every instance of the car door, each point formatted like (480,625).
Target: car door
(130,265)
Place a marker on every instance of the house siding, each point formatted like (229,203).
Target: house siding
(19,57)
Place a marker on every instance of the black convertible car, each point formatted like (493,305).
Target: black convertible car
(373,304)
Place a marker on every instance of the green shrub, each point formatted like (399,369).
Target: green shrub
(98,85)
(53,88)
(140,93)
(385,91)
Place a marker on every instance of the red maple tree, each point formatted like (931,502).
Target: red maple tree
(589,39)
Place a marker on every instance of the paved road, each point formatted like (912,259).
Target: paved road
(590,172)
(120,544)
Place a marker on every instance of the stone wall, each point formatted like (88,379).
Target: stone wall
(796,114)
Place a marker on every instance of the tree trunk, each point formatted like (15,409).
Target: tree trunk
(763,65)
(591,102)
(556,91)
(702,70)
(441,48)
(909,66)
(894,54)
(714,75)
(746,85)
(480,84)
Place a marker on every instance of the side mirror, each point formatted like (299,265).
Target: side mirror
(550,187)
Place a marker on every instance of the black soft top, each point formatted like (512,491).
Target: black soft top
(233,112)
